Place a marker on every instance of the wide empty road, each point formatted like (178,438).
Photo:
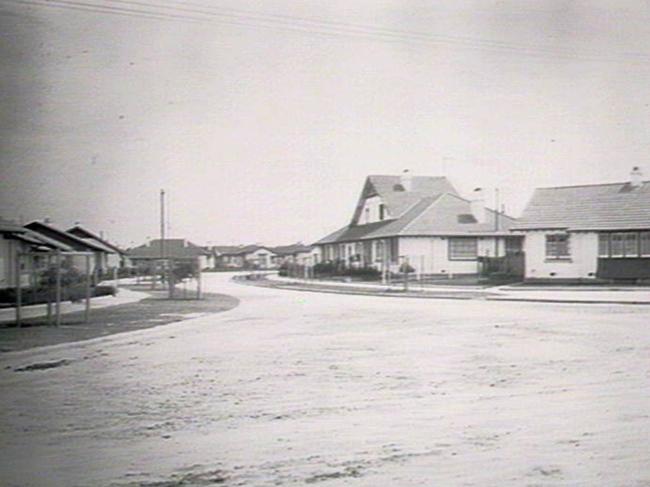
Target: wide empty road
(295,388)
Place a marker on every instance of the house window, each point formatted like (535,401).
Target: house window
(603,244)
(513,245)
(382,211)
(379,251)
(394,250)
(644,244)
(557,246)
(464,248)
(617,245)
(631,245)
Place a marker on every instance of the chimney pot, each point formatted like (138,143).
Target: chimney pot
(406,179)
(636,177)
(477,205)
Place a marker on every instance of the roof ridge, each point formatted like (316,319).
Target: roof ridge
(65,233)
(435,200)
(590,185)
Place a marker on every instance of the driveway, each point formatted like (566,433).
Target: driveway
(297,388)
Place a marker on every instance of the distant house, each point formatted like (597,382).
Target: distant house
(226,256)
(258,257)
(100,253)
(297,253)
(115,256)
(420,220)
(246,257)
(589,231)
(179,249)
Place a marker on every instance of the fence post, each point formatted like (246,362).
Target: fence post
(49,288)
(198,280)
(58,288)
(19,297)
(406,273)
(87,309)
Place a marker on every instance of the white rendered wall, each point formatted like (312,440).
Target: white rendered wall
(372,215)
(581,265)
(430,255)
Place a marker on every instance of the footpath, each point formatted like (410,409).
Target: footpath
(124,296)
(634,295)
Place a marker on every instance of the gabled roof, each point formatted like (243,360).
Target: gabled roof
(175,248)
(443,215)
(351,233)
(249,249)
(86,234)
(35,241)
(76,243)
(226,249)
(10,227)
(616,206)
(296,248)
(395,197)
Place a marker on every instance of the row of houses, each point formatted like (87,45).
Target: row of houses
(571,232)
(39,239)
(221,256)
(260,256)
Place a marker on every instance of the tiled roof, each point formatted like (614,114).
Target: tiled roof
(443,215)
(226,249)
(296,248)
(452,215)
(176,248)
(397,200)
(617,206)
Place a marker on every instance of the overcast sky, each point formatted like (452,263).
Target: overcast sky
(262,119)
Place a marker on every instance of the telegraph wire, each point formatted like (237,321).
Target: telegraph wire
(308,26)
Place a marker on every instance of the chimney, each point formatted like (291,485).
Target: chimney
(47,220)
(477,205)
(636,177)
(406,180)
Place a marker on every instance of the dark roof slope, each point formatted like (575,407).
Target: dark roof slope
(10,227)
(86,234)
(176,248)
(617,206)
(226,249)
(351,233)
(76,243)
(296,248)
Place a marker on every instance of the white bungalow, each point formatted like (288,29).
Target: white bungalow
(423,221)
(589,232)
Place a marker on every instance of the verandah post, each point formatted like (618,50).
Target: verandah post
(87,309)
(19,298)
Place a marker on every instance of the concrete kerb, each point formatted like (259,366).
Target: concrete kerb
(574,295)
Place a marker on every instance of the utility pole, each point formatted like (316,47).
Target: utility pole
(496,209)
(162,223)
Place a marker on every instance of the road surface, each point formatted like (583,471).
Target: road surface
(295,388)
